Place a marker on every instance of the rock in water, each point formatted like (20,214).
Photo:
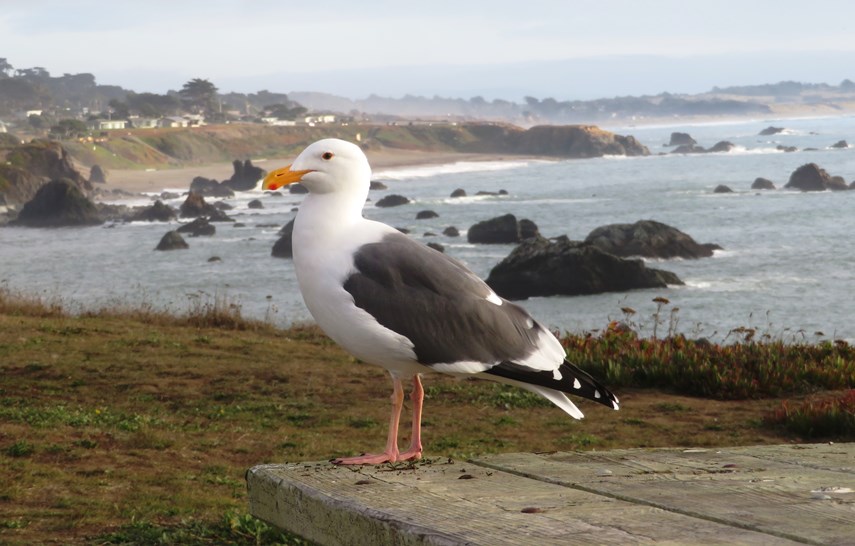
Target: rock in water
(811,177)
(58,203)
(543,267)
(172,241)
(282,247)
(649,239)
(393,200)
(159,212)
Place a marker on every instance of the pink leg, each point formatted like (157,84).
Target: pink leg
(417,396)
(390,455)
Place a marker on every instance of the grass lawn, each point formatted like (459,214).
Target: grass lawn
(137,428)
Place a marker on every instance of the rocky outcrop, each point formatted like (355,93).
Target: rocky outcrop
(200,227)
(210,188)
(761,183)
(722,188)
(681,139)
(451,231)
(97,175)
(172,241)
(459,192)
(502,230)
(392,200)
(377,185)
(282,248)
(771,131)
(255,204)
(426,215)
(59,203)
(840,144)
(159,212)
(812,177)
(246,176)
(544,267)
(195,205)
(576,141)
(649,239)
(24,168)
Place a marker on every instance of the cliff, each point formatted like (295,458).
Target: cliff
(24,168)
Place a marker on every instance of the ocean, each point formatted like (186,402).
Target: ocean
(786,268)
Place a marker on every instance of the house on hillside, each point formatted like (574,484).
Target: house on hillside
(279,122)
(144,123)
(107,124)
(173,121)
(316,119)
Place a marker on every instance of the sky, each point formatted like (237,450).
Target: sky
(572,49)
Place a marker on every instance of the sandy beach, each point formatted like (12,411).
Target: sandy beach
(137,181)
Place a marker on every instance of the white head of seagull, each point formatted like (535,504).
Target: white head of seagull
(394,302)
(327,166)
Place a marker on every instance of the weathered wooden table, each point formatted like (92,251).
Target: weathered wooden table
(790,494)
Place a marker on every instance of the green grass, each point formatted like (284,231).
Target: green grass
(130,426)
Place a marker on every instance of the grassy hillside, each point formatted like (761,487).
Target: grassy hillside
(132,427)
(162,148)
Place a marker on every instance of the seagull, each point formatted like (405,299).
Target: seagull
(398,304)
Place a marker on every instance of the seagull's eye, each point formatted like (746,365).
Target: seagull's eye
(327,155)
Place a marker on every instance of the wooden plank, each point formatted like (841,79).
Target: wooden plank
(804,493)
(448,503)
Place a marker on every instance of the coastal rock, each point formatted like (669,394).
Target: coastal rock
(200,227)
(452,231)
(246,176)
(158,212)
(649,239)
(172,240)
(722,188)
(499,230)
(24,168)
(377,185)
(59,203)
(771,131)
(576,141)
(96,175)
(544,267)
(195,205)
(811,177)
(210,188)
(837,183)
(436,246)
(761,183)
(392,200)
(255,204)
(426,215)
(840,144)
(528,229)
(788,149)
(681,139)
(459,192)
(722,146)
(282,248)
(688,149)
(297,188)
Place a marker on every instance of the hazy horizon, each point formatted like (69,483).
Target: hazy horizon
(498,49)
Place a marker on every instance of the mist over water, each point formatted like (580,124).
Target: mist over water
(786,267)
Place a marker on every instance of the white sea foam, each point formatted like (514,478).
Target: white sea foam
(425,171)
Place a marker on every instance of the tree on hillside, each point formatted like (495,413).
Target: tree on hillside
(67,128)
(200,95)
(6,69)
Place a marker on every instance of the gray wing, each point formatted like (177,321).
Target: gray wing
(438,304)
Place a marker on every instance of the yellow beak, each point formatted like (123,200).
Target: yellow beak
(282,177)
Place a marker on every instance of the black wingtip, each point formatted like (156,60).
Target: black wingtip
(570,379)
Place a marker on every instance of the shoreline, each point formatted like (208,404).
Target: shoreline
(180,178)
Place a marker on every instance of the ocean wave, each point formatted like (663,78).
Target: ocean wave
(426,171)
